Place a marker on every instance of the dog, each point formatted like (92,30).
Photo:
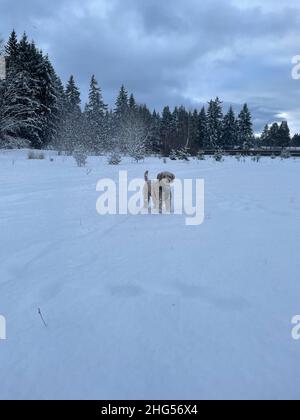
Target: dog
(159,191)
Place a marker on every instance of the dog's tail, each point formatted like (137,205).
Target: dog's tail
(146,176)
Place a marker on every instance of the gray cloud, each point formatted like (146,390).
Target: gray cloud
(172,52)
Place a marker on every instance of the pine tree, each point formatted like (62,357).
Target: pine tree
(296,140)
(184,153)
(230,130)
(73,127)
(274,135)
(72,95)
(121,115)
(154,142)
(265,136)
(202,141)
(284,135)
(20,109)
(166,131)
(245,127)
(95,113)
(215,123)
(50,97)
(21,113)
(181,127)
(132,104)
(194,132)
(11,50)
(122,106)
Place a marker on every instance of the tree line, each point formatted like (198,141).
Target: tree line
(38,111)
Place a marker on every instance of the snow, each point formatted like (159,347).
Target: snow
(145,307)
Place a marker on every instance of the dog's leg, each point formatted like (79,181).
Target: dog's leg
(160,199)
(146,196)
(168,201)
(154,195)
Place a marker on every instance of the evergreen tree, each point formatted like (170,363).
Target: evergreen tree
(95,113)
(21,113)
(194,132)
(215,123)
(265,137)
(74,123)
(245,127)
(72,95)
(20,109)
(274,135)
(296,140)
(122,106)
(154,141)
(166,131)
(230,130)
(182,128)
(284,135)
(121,115)
(11,50)
(132,104)
(50,97)
(202,141)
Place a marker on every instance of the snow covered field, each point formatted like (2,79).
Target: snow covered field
(144,307)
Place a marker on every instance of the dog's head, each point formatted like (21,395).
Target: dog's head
(167,177)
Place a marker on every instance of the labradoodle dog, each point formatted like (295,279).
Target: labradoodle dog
(159,190)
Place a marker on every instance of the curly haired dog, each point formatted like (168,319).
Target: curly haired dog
(159,190)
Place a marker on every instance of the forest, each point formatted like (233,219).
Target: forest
(37,111)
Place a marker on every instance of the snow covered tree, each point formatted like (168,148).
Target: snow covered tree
(230,130)
(202,130)
(11,50)
(193,129)
(285,154)
(173,154)
(114,158)
(184,154)
(245,130)
(135,137)
(218,156)
(95,113)
(274,135)
(154,141)
(200,155)
(30,97)
(20,117)
(72,135)
(166,130)
(214,123)
(80,156)
(51,98)
(72,97)
(121,115)
(122,106)
(296,140)
(265,137)
(284,135)
(20,114)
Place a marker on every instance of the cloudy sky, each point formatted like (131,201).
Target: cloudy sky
(172,51)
